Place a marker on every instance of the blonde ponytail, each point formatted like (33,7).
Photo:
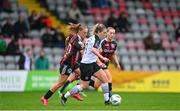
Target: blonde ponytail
(97,28)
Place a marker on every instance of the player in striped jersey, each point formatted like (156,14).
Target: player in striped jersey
(68,62)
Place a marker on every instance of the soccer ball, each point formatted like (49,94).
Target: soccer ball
(115,99)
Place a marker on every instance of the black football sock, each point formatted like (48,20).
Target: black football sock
(91,83)
(64,86)
(48,94)
(110,89)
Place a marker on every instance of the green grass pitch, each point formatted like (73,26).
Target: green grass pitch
(93,101)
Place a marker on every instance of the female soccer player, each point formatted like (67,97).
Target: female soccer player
(108,48)
(76,74)
(67,63)
(89,67)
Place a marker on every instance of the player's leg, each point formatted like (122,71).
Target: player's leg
(70,79)
(64,71)
(86,72)
(49,93)
(109,76)
(78,88)
(100,74)
(94,84)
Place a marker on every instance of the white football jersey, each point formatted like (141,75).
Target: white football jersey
(89,56)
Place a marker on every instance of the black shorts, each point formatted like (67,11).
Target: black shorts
(67,69)
(87,70)
(76,65)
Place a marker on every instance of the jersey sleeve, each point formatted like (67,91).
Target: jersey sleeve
(102,43)
(115,45)
(78,43)
(96,43)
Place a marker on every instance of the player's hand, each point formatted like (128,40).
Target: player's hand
(102,65)
(119,67)
(106,59)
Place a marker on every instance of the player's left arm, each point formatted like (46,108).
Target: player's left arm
(115,58)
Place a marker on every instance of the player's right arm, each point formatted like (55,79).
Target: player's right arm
(96,52)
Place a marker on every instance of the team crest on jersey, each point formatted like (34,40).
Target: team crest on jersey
(107,45)
(69,70)
(112,45)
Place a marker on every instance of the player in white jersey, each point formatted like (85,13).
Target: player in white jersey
(89,67)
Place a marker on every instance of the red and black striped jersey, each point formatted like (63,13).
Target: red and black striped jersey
(108,49)
(72,51)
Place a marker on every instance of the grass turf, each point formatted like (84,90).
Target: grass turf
(94,101)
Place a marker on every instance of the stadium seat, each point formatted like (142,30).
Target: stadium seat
(145,67)
(125,60)
(2,66)
(36,43)
(34,34)
(9,59)
(27,42)
(120,36)
(153,28)
(164,37)
(166,45)
(173,68)
(121,44)
(11,66)
(163,67)
(50,58)
(130,45)
(57,51)
(134,60)
(8,40)
(153,60)
(36,50)
(127,67)
(140,45)
(123,52)
(161,60)
(136,67)
(171,61)
(168,53)
(1,59)
(132,52)
(154,67)
(141,52)
(57,59)
(48,50)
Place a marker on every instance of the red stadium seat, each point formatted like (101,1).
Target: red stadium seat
(105,11)
(168,20)
(120,36)
(131,45)
(178,40)
(142,20)
(147,5)
(174,45)
(164,37)
(139,45)
(166,45)
(158,13)
(153,28)
(8,40)
(27,42)
(122,4)
(36,43)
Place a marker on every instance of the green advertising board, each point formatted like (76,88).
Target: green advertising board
(40,80)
